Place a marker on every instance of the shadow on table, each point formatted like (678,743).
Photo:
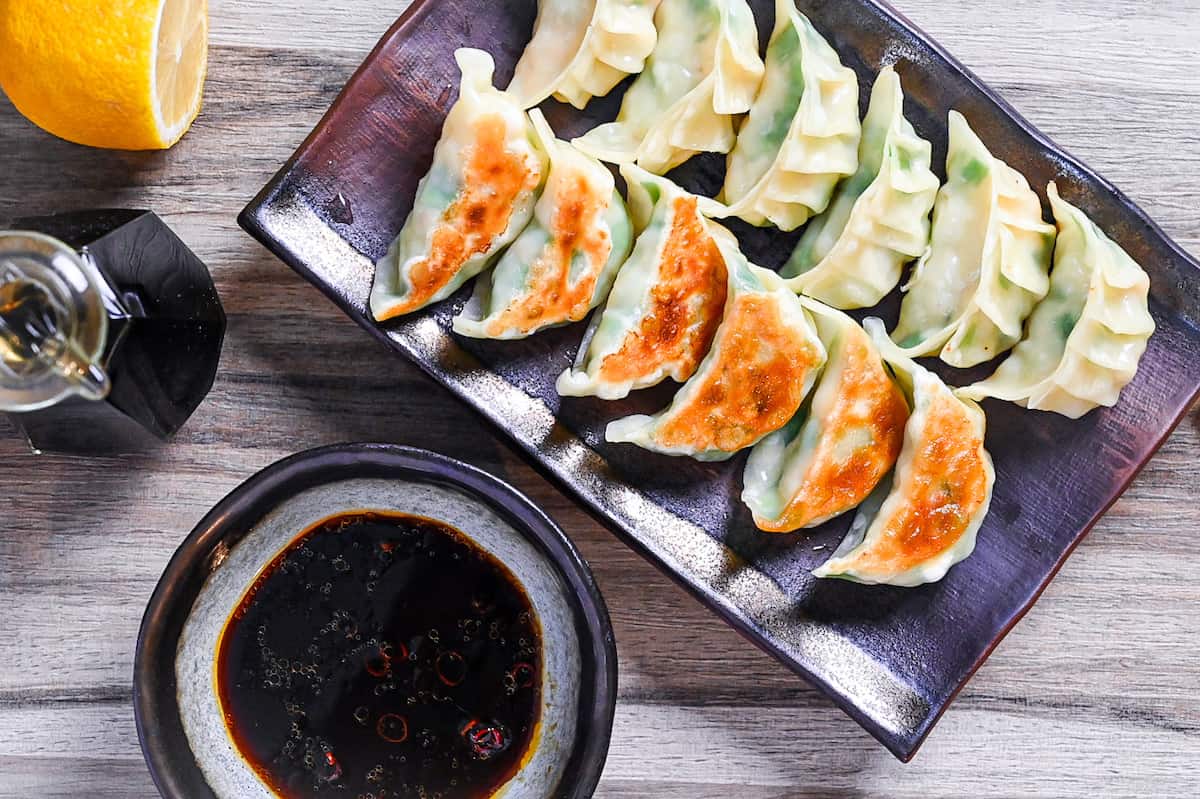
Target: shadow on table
(82,177)
(319,379)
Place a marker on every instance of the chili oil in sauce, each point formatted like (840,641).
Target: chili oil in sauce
(382,656)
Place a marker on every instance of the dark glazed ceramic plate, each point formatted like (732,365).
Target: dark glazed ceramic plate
(892,658)
(310,486)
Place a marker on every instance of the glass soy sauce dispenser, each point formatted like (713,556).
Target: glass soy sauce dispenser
(110,331)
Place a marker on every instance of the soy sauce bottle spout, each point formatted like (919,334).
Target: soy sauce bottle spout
(33,339)
(89,379)
(53,324)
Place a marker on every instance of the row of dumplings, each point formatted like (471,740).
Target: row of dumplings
(801,153)
(831,426)
(800,382)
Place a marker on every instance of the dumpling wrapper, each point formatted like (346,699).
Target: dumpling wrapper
(802,134)
(583,48)
(763,362)
(1085,340)
(853,254)
(563,264)
(704,70)
(666,304)
(479,194)
(845,440)
(925,518)
(988,261)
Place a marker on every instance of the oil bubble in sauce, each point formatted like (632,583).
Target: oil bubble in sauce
(382,655)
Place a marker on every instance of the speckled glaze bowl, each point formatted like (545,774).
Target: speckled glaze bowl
(179,720)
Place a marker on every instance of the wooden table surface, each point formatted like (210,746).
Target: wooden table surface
(1096,693)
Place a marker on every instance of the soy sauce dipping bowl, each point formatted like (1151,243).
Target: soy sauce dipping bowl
(367,470)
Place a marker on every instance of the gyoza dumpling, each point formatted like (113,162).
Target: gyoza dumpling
(846,438)
(852,255)
(704,69)
(802,134)
(763,362)
(1085,339)
(924,519)
(563,264)
(987,264)
(478,195)
(583,48)
(666,304)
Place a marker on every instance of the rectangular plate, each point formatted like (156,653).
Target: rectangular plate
(891,658)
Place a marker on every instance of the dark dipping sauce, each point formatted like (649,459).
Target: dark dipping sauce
(382,656)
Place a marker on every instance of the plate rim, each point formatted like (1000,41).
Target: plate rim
(902,745)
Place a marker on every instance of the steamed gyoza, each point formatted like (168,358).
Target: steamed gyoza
(924,518)
(667,300)
(563,264)
(802,134)
(583,48)
(763,362)
(829,458)
(1085,339)
(704,69)
(479,194)
(852,255)
(987,264)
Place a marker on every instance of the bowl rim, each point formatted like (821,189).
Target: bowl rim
(156,712)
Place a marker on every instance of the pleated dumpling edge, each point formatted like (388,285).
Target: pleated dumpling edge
(925,518)
(802,135)
(853,254)
(582,50)
(563,263)
(988,260)
(1084,342)
(764,361)
(704,70)
(841,444)
(667,301)
(477,197)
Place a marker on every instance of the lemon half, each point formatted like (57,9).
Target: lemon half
(122,74)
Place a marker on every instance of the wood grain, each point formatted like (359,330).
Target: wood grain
(1095,693)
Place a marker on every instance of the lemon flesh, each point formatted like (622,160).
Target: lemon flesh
(121,74)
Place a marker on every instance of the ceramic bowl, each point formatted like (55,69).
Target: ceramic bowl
(179,721)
